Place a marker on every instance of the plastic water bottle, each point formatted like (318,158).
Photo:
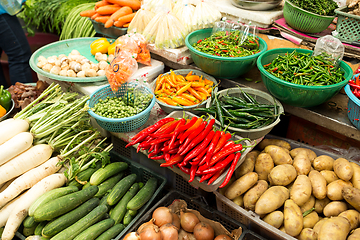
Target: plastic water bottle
(12,7)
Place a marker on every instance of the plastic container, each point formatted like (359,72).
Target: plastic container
(65,47)
(305,21)
(112,32)
(347,26)
(127,124)
(224,67)
(204,210)
(261,97)
(143,174)
(8,112)
(168,108)
(353,106)
(295,94)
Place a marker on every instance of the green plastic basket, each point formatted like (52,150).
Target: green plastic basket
(223,67)
(127,124)
(347,26)
(305,21)
(295,94)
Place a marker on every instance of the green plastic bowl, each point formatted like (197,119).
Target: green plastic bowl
(295,94)
(223,67)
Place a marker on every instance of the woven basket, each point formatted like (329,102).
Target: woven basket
(348,25)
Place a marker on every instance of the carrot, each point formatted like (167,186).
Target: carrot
(126,25)
(108,9)
(95,16)
(134,4)
(101,3)
(87,13)
(102,19)
(116,15)
(124,19)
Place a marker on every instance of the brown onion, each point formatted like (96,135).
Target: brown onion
(223,237)
(188,221)
(131,236)
(144,225)
(150,233)
(162,216)
(169,232)
(203,231)
(183,235)
(176,220)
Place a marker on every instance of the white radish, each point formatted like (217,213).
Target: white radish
(27,160)
(14,146)
(6,210)
(19,213)
(12,128)
(29,179)
(6,184)
(6,121)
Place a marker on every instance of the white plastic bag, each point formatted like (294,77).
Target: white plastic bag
(184,12)
(205,15)
(140,21)
(330,48)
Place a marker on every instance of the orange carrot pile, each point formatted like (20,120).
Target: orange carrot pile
(178,90)
(118,13)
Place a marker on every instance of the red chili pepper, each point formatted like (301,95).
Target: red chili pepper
(173,160)
(222,141)
(198,158)
(159,140)
(216,176)
(173,151)
(144,133)
(221,41)
(225,51)
(216,47)
(211,147)
(354,85)
(177,131)
(231,170)
(266,65)
(184,169)
(192,172)
(167,157)
(168,148)
(199,41)
(275,69)
(169,129)
(151,148)
(192,136)
(219,165)
(205,177)
(218,54)
(226,152)
(163,135)
(199,148)
(191,129)
(157,157)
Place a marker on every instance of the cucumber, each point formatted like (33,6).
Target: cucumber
(127,218)
(95,230)
(28,231)
(103,200)
(86,185)
(143,195)
(111,232)
(40,227)
(104,173)
(118,191)
(29,222)
(50,195)
(119,210)
(91,218)
(132,212)
(84,176)
(108,184)
(64,204)
(66,220)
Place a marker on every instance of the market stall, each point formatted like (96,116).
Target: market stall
(184,120)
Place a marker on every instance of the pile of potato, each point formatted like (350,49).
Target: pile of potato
(304,195)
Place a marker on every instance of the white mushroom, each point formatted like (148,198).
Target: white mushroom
(85,67)
(61,56)
(72,57)
(80,74)
(57,63)
(52,59)
(100,57)
(101,73)
(84,60)
(75,52)
(41,64)
(110,58)
(41,59)
(47,67)
(94,66)
(76,67)
(55,70)
(102,65)
(90,73)
(63,73)
(71,73)
(65,67)
(64,60)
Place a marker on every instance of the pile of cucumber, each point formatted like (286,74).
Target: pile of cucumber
(100,209)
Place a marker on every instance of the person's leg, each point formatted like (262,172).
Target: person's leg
(14,43)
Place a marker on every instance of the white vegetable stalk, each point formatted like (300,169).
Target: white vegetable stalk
(27,160)
(19,213)
(29,179)
(14,146)
(12,128)
(6,210)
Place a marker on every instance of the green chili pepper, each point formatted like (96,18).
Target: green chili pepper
(5,98)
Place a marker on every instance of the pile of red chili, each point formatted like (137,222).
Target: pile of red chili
(192,145)
(355,86)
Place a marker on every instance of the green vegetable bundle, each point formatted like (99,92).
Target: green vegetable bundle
(321,7)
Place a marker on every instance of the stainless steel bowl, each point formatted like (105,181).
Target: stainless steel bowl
(257,5)
(8,112)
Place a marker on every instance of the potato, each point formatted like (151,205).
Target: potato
(320,204)
(278,155)
(329,176)
(278,142)
(353,216)
(355,180)
(352,196)
(223,190)
(310,220)
(293,218)
(241,185)
(307,234)
(343,169)
(323,162)
(282,228)
(334,228)
(311,154)
(248,164)
(275,219)
(308,205)
(333,189)
(334,208)
(301,190)
(253,194)
(263,165)
(282,175)
(239,201)
(318,184)
(319,224)
(273,198)
(302,163)
(355,235)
